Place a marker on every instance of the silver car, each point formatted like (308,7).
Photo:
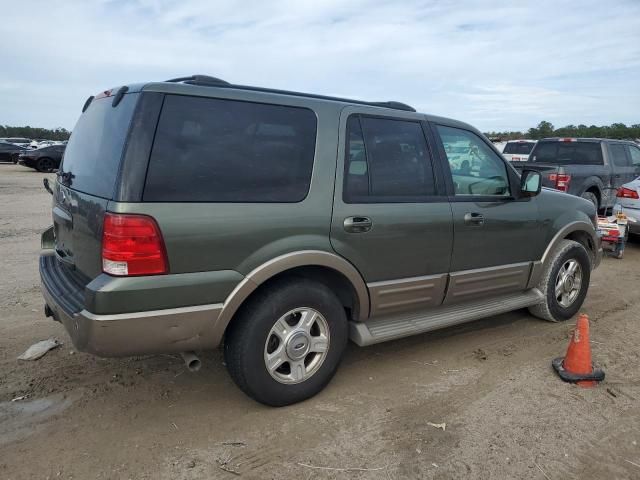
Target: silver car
(628,197)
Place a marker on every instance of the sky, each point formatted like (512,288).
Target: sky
(499,65)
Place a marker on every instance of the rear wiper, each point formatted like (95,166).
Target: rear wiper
(87,103)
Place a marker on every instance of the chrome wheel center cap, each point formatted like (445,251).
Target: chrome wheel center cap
(568,284)
(298,346)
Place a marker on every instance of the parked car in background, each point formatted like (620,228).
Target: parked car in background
(9,151)
(591,168)
(25,142)
(518,150)
(498,143)
(46,159)
(194,212)
(628,198)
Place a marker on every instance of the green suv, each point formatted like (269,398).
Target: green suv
(193,213)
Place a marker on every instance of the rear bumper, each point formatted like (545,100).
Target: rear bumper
(113,335)
(633,219)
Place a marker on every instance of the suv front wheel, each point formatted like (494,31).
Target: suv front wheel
(285,345)
(564,282)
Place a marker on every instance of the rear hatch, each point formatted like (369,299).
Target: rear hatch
(87,179)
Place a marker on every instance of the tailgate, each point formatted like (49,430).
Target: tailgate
(77,227)
(86,182)
(545,170)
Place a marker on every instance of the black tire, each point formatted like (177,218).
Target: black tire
(45,165)
(551,309)
(592,198)
(246,337)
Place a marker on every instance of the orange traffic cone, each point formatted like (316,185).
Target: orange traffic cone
(576,366)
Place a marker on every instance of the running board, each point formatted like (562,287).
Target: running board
(382,329)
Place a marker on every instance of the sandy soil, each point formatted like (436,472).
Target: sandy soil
(507,415)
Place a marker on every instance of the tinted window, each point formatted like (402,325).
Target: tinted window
(475,168)
(522,148)
(618,153)
(212,150)
(576,153)
(386,161)
(634,154)
(93,153)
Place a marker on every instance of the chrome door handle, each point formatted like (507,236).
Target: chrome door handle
(357,224)
(473,219)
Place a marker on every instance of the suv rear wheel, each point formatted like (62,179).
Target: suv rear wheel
(286,343)
(564,283)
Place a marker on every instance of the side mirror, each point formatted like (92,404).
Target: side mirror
(530,183)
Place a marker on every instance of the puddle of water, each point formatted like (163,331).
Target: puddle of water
(21,419)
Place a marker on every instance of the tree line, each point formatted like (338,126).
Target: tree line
(543,130)
(546,129)
(35,133)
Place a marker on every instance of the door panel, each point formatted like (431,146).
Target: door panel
(496,236)
(389,180)
(509,234)
(405,240)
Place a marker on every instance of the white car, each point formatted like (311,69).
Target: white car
(628,198)
(518,150)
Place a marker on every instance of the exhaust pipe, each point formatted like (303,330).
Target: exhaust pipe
(192,361)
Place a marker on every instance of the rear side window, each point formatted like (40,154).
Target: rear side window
(93,154)
(567,153)
(618,153)
(522,148)
(387,160)
(213,150)
(634,154)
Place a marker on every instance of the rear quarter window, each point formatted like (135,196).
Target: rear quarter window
(214,150)
(567,153)
(618,152)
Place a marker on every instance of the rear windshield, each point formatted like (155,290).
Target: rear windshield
(213,150)
(522,148)
(577,153)
(92,157)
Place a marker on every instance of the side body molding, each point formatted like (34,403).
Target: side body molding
(303,258)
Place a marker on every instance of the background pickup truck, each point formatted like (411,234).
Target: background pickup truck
(591,168)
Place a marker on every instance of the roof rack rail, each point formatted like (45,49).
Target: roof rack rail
(200,80)
(205,80)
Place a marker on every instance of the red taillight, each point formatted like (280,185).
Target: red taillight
(625,192)
(132,245)
(561,181)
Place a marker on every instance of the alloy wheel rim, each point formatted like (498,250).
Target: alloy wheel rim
(568,283)
(297,345)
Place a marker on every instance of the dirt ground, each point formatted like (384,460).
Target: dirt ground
(507,415)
